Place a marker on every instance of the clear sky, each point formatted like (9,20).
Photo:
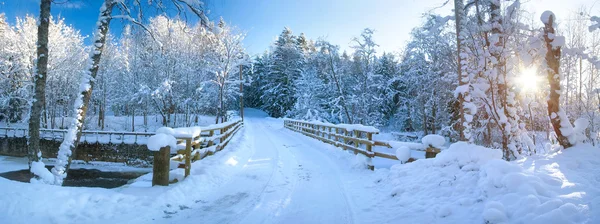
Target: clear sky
(335,20)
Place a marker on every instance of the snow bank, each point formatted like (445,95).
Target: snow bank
(160,140)
(436,141)
(463,153)
(471,184)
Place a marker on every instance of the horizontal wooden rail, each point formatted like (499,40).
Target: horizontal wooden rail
(347,137)
(198,147)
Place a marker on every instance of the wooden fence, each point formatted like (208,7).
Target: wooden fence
(89,136)
(192,148)
(355,139)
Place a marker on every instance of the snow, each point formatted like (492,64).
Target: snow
(461,90)
(268,174)
(403,154)
(463,153)
(160,140)
(411,145)
(436,141)
(579,131)
(559,41)
(39,169)
(546,16)
(595,23)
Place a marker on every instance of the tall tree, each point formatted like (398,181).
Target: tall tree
(279,91)
(558,117)
(41,72)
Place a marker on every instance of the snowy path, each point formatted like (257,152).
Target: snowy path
(286,180)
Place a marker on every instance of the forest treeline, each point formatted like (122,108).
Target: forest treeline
(173,67)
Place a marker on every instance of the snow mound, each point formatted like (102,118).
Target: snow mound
(361,162)
(578,135)
(165,130)
(463,153)
(160,140)
(436,141)
(411,145)
(546,15)
(467,183)
(43,174)
(403,154)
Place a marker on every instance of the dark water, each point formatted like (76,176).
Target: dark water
(82,177)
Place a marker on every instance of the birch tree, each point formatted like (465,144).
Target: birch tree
(69,145)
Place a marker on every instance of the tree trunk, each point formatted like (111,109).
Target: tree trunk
(458,15)
(69,145)
(133,120)
(553,62)
(339,88)
(33,149)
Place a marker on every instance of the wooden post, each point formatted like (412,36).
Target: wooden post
(370,149)
(188,156)
(160,169)
(356,135)
(337,131)
(210,135)
(222,135)
(431,152)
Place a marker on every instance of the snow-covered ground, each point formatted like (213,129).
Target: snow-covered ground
(269,174)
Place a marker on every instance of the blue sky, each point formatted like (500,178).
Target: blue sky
(335,20)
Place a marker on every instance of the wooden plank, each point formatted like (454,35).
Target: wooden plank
(384,155)
(378,143)
(188,156)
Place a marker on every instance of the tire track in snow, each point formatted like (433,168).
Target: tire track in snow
(257,187)
(309,151)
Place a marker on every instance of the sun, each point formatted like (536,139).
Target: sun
(529,79)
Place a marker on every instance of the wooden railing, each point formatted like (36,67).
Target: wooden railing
(86,135)
(192,148)
(360,140)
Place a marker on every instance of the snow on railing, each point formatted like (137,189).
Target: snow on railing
(190,144)
(359,138)
(89,136)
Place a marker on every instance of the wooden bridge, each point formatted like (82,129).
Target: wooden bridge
(207,140)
